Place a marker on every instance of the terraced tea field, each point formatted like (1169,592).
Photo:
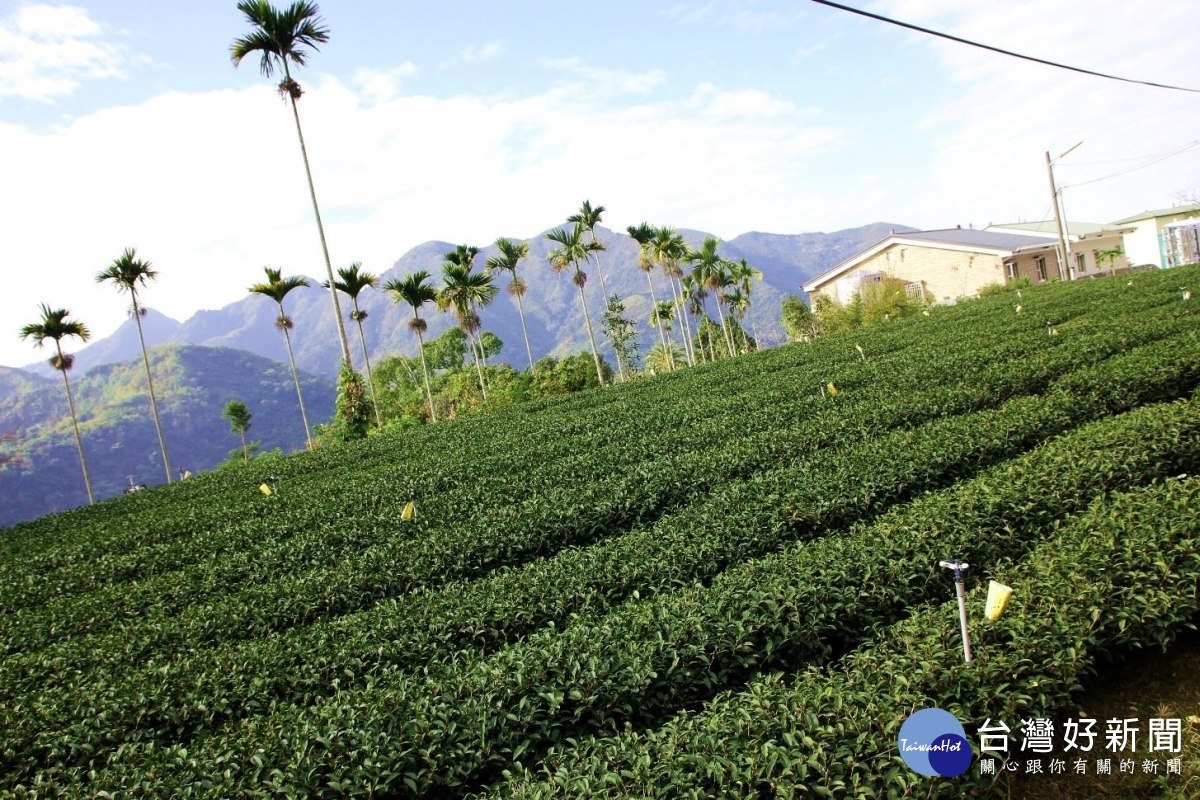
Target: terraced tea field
(721,582)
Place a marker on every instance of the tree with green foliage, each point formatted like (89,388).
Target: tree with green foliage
(571,250)
(663,359)
(799,322)
(669,249)
(881,300)
(587,218)
(352,411)
(693,293)
(448,351)
(622,335)
(743,276)
(572,374)
(55,325)
(662,314)
(466,291)
(508,260)
(239,417)
(416,290)
(277,288)
(643,234)
(281,36)
(127,273)
(712,271)
(352,280)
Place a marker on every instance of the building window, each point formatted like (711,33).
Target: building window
(1081,262)
(1040,262)
(1010,269)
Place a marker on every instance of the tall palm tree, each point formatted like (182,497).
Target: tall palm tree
(277,287)
(280,36)
(669,249)
(127,273)
(570,251)
(662,314)
(743,275)
(464,290)
(588,218)
(352,280)
(55,325)
(693,296)
(643,234)
(712,271)
(416,290)
(509,259)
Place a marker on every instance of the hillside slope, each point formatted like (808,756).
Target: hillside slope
(193,385)
(638,590)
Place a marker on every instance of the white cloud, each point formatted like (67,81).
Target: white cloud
(209,204)
(1001,115)
(606,79)
(471,53)
(377,85)
(47,51)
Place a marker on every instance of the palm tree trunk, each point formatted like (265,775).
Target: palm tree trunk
(87,481)
(724,330)
(337,307)
(287,337)
(712,356)
(478,365)
(591,336)
(687,328)
(753,330)
(425,369)
(661,336)
(525,331)
(367,360)
(162,442)
(245,448)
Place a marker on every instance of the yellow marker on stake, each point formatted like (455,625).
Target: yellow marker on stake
(409,512)
(997,599)
(262,487)
(832,389)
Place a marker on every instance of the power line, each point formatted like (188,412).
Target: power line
(1152,162)
(1000,50)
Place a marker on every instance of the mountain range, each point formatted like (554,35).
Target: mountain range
(236,352)
(551,303)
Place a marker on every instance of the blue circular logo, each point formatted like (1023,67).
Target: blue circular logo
(933,742)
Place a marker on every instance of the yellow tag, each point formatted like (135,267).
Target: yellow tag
(265,489)
(832,389)
(410,511)
(997,599)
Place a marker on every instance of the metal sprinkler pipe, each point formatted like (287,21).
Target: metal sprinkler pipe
(959,568)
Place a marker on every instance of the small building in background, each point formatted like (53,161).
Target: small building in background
(939,266)
(1159,238)
(1095,249)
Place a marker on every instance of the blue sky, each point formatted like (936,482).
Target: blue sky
(124,124)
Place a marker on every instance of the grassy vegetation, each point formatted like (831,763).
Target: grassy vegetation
(721,581)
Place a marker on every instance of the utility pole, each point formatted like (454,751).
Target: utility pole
(1063,251)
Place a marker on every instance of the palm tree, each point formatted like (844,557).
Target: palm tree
(127,273)
(643,234)
(571,250)
(693,295)
(277,287)
(464,290)
(352,280)
(669,249)
(416,291)
(742,274)
(510,257)
(712,272)
(588,218)
(280,36)
(739,304)
(662,314)
(55,325)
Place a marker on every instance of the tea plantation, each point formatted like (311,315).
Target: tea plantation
(720,582)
